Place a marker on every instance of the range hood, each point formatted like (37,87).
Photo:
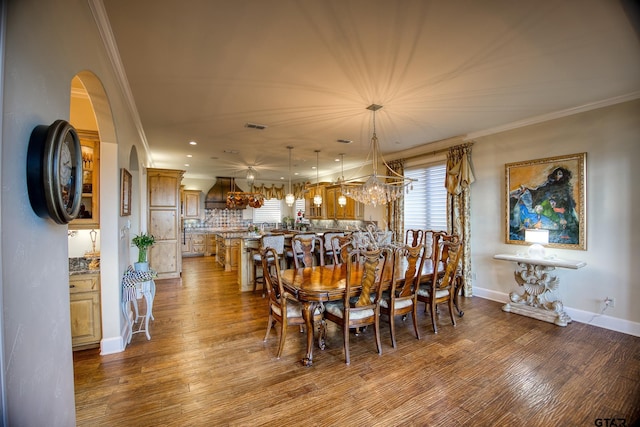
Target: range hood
(217,196)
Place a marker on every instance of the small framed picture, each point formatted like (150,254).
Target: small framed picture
(125,192)
(547,194)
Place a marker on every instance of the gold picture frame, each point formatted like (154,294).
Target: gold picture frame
(547,194)
(125,192)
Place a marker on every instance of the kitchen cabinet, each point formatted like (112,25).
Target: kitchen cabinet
(198,243)
(89,216)
(191,204)
(352,210)
(210,244)
(228,251)
(312,211)
(84,296)
(165,256)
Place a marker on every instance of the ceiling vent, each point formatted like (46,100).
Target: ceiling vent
(255,126)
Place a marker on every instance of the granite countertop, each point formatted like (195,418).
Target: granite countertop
(196,230)
(82,265)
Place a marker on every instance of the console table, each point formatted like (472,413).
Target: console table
(538,298)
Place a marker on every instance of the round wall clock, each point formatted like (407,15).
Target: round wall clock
(54,171)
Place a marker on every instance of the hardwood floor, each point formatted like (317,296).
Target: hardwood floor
(206,364)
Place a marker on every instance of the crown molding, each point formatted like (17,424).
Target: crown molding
(104,27)
(552,116)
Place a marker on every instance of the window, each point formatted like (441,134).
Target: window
(426,206)
(299,206)
(269,212)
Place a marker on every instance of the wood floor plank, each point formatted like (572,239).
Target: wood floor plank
(207,364)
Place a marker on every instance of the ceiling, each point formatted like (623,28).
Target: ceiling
(200,70)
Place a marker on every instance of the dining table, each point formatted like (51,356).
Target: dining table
(313,286)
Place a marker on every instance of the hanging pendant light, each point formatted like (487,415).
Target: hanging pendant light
(317,199)
(342,200)
(251,177)
(290,199)
(377,189)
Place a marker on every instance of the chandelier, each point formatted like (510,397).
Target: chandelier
(377,189)
(317,199)
(290,198)
(242,199)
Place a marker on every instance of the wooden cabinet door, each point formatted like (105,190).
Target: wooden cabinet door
(164,187)
(313,211)
(198,243)
(84,308)
(186,245)
(234,254)
(191,204)
(330,202)
(165,257)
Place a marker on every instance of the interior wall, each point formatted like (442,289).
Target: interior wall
(609,136)
(47,43)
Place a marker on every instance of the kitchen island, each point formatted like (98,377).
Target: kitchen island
(234,249)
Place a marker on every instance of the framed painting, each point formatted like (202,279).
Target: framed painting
(548,194)
(125,192)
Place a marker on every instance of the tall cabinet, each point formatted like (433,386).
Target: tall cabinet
(89,216)
(165,256)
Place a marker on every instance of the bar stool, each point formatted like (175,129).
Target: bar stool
(275,241)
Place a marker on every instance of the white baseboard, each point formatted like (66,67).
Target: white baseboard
(595,319)
(111,345)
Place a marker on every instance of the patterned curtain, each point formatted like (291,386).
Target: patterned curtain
(299,190)
(271,192)
(395,209)
(458,182)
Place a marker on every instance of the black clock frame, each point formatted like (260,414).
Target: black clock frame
(46,194)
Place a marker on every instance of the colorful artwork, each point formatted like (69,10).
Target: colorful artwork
(547,194)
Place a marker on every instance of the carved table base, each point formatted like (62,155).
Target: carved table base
(537,296)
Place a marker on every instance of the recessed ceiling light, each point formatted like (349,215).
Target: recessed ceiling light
(296,173)
(193,143)
(187,164)
(189,155)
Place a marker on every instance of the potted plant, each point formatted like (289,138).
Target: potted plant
(143,241)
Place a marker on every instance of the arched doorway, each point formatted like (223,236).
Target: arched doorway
(89,106)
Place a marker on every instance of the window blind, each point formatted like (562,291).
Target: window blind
(269,212)
(426,206)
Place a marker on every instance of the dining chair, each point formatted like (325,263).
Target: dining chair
(401,298)
(430,240)
(341,246)
(328,246)
(283,308)
(363,309)
(360,240)
(413,237)
(306,247)
(275,241)
(444,280)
